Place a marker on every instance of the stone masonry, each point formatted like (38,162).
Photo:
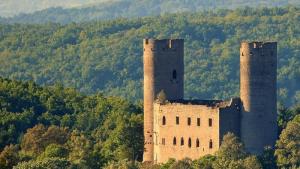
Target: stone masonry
(181,128)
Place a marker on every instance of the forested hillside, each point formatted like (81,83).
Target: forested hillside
(58,128)
(14,7)
(107,56)
(105,10)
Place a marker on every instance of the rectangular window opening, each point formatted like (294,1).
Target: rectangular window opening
(189,121)
(209,122)
(163,141)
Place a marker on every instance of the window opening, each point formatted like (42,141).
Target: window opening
(174,74)
(163,141)
(189,121)
(177,120)
(164,120)
(190,142)
(210,144)
(198,121)
(182,141)
(209,122)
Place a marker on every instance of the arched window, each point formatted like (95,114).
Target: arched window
(182,141)
(210,144)
(197,143)
(164,120)
(174,141)
(190,142)
(174,75)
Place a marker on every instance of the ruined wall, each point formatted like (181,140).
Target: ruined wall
(164,133)
(163,70)
(230,118)
(258,64)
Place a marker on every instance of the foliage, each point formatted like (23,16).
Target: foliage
(48,163)
(122,164)
(232,155)
(267,158)
(286,114)
(288,146)
(9,157)
(161,97)
(182,164)
(59,127)
(124,8)
(38,138)
(56,124)
(205,162)
(54,150)
(106,56)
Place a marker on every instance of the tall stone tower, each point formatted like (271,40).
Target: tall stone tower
(258,65)
(163,70)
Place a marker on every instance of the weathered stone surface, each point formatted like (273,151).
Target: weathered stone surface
(163,70)
(258,65)
(166,128)
(251,117)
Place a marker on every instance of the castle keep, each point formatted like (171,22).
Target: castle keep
(182,128)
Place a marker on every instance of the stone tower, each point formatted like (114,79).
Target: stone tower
(163,70)
(258,65)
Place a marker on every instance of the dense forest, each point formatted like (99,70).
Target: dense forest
(70,94)
(105,10)
(106,56)
(58,128)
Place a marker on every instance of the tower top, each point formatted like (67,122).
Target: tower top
(258,44)
(164,44)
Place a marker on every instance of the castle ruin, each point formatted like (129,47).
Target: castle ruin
(182,128)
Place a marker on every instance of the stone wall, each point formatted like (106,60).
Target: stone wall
(258,64)
(163,70)
(166,129)
(230,118)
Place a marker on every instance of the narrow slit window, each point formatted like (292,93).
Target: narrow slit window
(198,121)
(164,120)
(210,144)
(210,122)
(174,74)
(189,121)
(177,120)
(174,141)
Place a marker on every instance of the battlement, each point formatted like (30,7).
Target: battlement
(258,45)
(163,45)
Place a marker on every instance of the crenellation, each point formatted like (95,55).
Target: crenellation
(164,45)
